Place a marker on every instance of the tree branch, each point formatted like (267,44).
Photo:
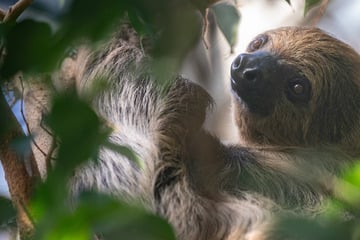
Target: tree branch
(20,180)
(20,169)
(15,10)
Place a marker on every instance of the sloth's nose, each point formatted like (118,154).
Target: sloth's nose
(256,79)
(245,67)
(251,74)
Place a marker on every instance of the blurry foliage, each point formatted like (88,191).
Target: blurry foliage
(310,3)
(228,19)
(173,27)
(103,215)
(7,211)
(340,219)
(28,43)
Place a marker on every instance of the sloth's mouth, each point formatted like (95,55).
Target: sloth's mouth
(251,99)
(233,83)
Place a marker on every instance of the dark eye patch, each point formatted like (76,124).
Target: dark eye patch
(257,43)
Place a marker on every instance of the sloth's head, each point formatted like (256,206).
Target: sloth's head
(297,87)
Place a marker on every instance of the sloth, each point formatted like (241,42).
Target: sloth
(296,103)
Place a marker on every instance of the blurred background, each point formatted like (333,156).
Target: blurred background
(340,18)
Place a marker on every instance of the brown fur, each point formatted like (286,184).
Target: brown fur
(286,161)
(333,118)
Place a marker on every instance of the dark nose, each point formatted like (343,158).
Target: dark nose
(246,68)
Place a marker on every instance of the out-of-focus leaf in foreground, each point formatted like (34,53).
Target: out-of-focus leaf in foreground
(107,217)
(309,4)
(228,19)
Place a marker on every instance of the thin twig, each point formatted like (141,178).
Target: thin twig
(52,148)
(46,155)
(205,28)
(16,10)
(49,157)
(22,105)
(321,12)
(44,128)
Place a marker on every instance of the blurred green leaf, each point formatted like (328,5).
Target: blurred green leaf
(312,229)
(288,1)
(339,220)
(80,133)
(7,211)
(353,175)
(228,19)
(348,188)
(78,128)
(29,46)
(97,86)
(91,19)
(61,3)
(22,145)
(309,4)
(180,31)
(138,22)
(115,219)
(102,214)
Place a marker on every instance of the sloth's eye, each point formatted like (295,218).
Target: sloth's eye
(257,43)
(298,90)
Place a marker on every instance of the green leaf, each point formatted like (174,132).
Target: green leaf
(61,3)
(98,213)
(91,19)
(141,26)
(80,133)
(180,32)
(349,187)
(114,218)
(290,227)
(288,1)
(7,211)
(228,19)
(22,145)
(353,175)
(309,4)
(29,46)
(78,128)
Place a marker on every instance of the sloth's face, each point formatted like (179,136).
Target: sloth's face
(296,86)
(260,80)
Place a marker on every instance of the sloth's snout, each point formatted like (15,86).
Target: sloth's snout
(251,74)
(255,79)
(244,68)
